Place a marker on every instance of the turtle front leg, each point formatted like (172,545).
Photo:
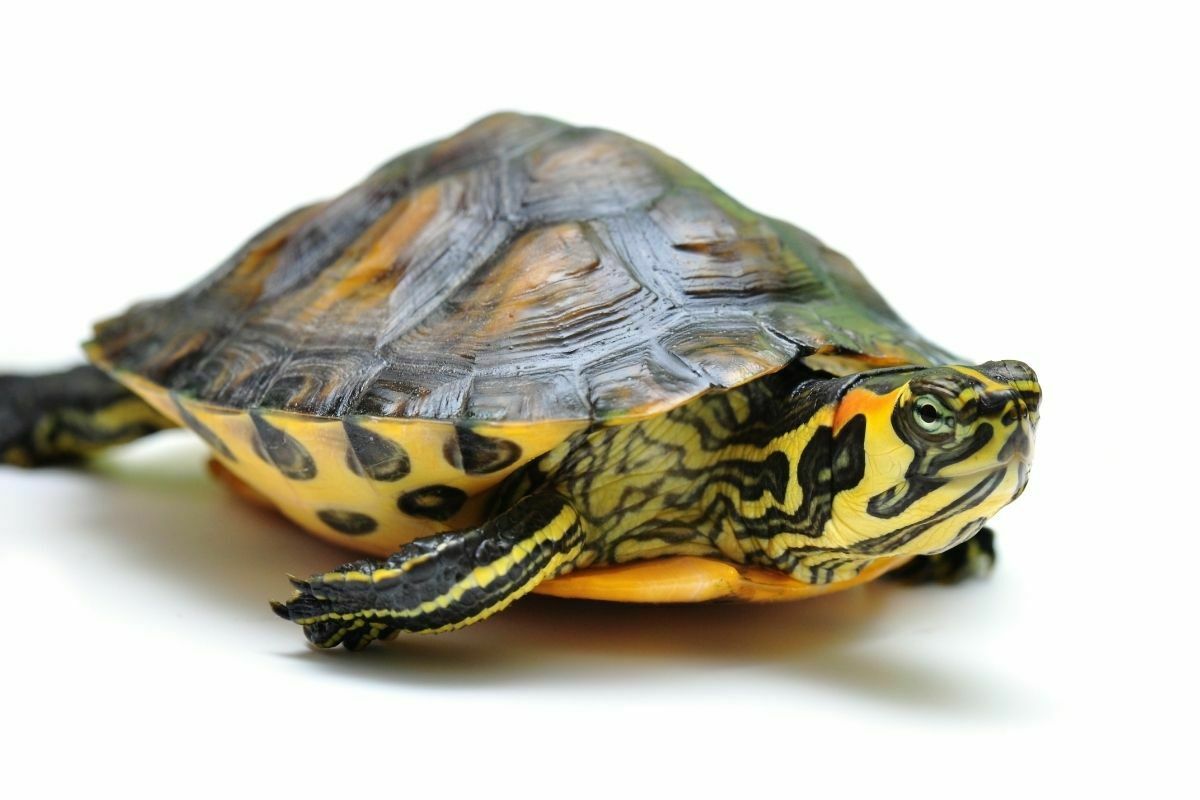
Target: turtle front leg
(973,558)
(64,416)
(442,582)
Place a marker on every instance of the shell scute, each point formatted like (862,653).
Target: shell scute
(520,271)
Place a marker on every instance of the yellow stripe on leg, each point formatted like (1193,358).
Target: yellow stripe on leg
(442,583)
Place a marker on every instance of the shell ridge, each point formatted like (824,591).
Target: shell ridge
(520,270)
(444,275)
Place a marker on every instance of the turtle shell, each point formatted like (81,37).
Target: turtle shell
(522,270)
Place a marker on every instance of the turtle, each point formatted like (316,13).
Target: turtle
(539,357)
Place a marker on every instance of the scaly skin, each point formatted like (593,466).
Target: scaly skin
(62,417)
(814,476)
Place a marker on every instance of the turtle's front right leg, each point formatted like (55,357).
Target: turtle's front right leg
(63,416)
(973,558)
(442,582)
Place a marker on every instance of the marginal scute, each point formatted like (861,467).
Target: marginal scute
(479,455)
(203,431)
(351,523)
(375,456)
(276,447)
(522,270)
(433,502)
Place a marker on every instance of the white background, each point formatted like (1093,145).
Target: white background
(1019,180)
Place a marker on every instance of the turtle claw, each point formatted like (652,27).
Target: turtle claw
(353,634)
(327,624)
(358,638)
(975,557)
(304,605)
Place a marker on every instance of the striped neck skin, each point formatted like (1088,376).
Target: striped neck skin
(900,462)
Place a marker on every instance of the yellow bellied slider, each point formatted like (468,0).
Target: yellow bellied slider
(538,357)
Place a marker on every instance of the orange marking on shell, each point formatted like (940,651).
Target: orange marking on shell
(540,266)
(247,278)
(368,271)
(900,358)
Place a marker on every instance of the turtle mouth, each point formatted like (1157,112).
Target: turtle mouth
(1019,445)
(1011,448)
(1014,469)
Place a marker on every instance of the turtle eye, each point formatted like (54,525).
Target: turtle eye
(931,416)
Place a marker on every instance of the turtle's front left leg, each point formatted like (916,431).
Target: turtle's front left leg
(973,558)
(63,416)
(442,582)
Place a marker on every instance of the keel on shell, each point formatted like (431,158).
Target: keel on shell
(521,270)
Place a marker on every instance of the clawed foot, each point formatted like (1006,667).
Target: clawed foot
(439,583)
(333,613)
(973,558)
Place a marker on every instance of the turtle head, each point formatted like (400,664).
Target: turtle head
(942,449)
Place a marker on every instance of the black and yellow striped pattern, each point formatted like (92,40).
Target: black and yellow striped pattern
(533,348)
(443,582)
(811,475)
(822,479)
(62,417)
(825,480)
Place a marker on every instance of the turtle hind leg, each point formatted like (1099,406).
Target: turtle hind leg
(63,416)
(973,558)
(442,582)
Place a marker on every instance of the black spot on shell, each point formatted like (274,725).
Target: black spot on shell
(203,431)
(283,451)
(351,523)
(375,456)
(433,502)
(476,454)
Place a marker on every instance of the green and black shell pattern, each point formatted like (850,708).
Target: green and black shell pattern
(521,270)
